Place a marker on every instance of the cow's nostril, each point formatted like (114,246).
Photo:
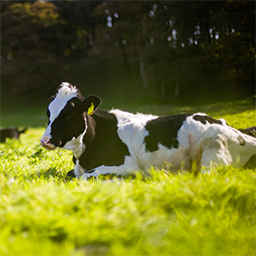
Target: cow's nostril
(47,144)
(45,140)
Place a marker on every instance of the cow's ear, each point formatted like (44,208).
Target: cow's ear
(91,103)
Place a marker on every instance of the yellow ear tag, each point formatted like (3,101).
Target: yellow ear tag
(90,109)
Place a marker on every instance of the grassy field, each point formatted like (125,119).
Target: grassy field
(43,213)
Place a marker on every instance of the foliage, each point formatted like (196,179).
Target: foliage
(181,41)
(44,213)
(80,26)
(234,51)
(165,46)
(31,37)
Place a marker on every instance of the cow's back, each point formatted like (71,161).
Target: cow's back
(180,138)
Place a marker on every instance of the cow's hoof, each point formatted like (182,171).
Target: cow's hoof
(71,174)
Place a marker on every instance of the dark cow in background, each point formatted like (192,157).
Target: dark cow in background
(10,132)
(121,143)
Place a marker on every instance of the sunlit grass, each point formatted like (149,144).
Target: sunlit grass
(44,213)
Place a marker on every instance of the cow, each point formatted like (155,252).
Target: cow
(11,133)
(121,143)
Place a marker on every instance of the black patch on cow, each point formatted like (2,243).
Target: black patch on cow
(102,143)
(249,131)
(204,119)
(164,130)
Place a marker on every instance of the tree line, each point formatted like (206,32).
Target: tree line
(171,48)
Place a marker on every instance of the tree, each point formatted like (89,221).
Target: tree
(168,45)
(80,25)
(233,41)
(165,35)
(127,26)
(31,40)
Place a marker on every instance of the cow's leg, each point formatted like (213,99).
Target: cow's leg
(215,149)
(78,171)
(226,146)
(129,167)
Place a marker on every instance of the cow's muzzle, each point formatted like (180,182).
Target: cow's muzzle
(45,142)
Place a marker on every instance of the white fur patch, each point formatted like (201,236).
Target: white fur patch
(129,167)
(79,171)
(66,89)
(65,93)
(131,130)
(76,144)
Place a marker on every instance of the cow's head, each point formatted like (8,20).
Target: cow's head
(67,116)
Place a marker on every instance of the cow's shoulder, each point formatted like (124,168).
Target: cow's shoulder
(164,130)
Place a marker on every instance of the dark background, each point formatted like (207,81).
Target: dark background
(152,52)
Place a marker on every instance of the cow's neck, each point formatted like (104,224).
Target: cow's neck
(86,139)
(99,126)
(76,145)
(102,144)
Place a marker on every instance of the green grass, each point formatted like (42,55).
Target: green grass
(43,213)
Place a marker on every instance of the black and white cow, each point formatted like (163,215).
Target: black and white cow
(121,143)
